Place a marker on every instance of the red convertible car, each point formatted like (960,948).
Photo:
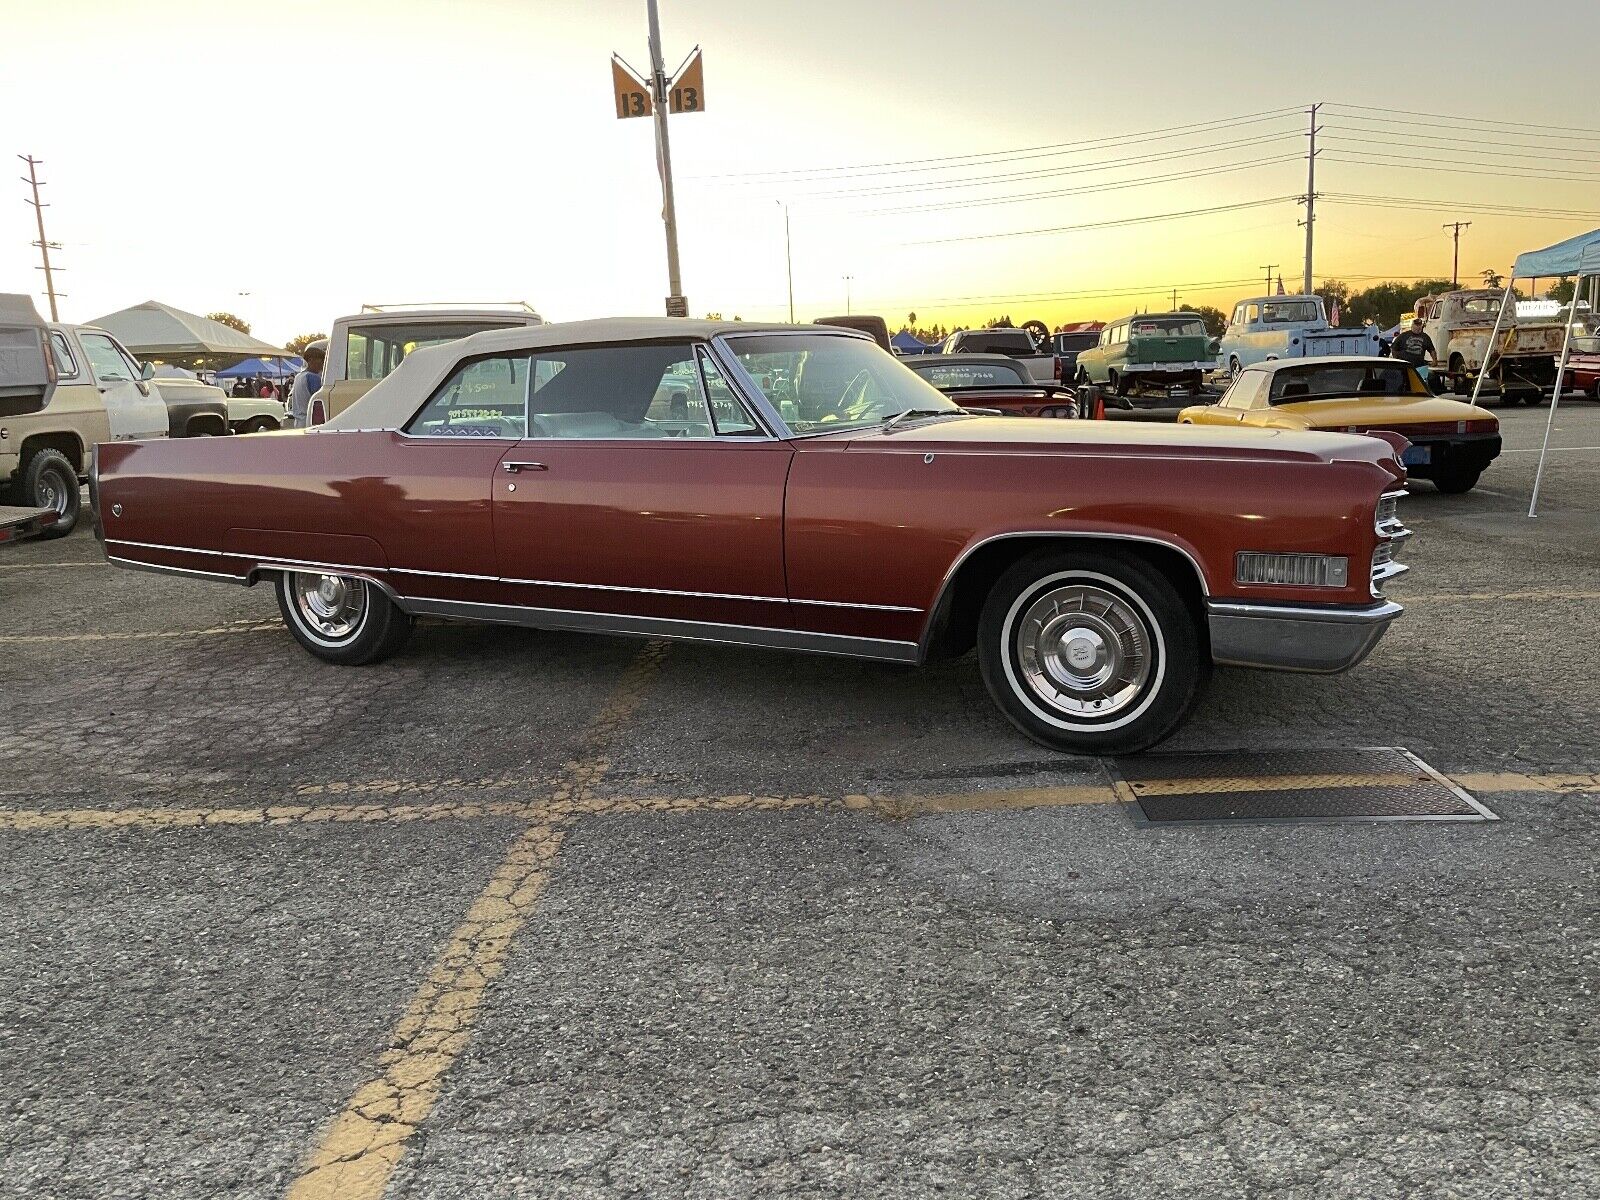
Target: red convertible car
(632,476)
(995,382)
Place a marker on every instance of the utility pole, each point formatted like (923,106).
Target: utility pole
(847,280)
(1455,262)
(788,257)
(1174,307)
(677,306)
(44,244)
(1311,193)
(1269,269)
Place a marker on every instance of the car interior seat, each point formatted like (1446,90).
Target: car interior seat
(1295,388)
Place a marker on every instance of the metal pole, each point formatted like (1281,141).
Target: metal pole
(669,211)
(847,280)
(1555,400)
(1311,195)
(44,245)
(1483,367)
(788,258)
(1269,269)
(1455,262)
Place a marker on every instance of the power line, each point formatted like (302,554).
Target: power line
(1411,165)
(1468,143)
(1411,202)
(1087,189)
(907,165)
(1405,143)
(1047,172)
(1171,216)
(1457,121)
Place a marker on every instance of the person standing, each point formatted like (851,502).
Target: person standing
(1414,346)
(307,383)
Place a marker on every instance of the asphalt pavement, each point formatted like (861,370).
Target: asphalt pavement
(534,914)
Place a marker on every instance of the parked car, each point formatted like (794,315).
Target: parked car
(366,347)
(194,409)
(1272,327)
(1520,365)
(1583,366)
(1149,351)
(1019,344)
(1451,441)
(1066,347)
(874,327)
(538,477)
(63,388)
(993,381)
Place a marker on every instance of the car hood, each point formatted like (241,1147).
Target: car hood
(1030,435)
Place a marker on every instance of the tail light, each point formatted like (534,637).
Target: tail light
(51,375)
(1056,367)
(316,411)
(1479,425)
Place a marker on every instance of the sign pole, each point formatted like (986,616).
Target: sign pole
(677,306)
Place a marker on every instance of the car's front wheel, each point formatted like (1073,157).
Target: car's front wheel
(341,619)
(1091,653)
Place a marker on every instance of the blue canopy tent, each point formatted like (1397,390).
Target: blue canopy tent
(264,367)
(1579,257)
(904,343)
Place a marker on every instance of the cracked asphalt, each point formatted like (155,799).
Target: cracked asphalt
(524,914)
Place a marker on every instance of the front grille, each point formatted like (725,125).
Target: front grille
(1391,536)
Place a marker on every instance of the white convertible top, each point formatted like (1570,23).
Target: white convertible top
(396,397)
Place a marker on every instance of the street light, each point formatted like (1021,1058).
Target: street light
(847,280)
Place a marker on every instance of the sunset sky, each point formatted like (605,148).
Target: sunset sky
(291,161)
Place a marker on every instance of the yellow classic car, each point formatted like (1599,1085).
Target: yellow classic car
(1451,441)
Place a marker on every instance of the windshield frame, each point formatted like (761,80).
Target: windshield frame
(724,346)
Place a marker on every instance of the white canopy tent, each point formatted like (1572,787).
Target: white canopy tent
(1580,258)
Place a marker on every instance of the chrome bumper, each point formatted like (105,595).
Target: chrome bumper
(1278,637)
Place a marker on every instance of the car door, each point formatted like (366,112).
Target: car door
(133,408)
(645,487)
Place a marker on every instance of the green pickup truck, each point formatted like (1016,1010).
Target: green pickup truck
(1149,351)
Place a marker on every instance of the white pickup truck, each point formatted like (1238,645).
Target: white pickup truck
(1019,344)
(1275,327)
(364,348)
(1519,366)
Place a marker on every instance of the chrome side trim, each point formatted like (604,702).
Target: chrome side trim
(1286,637)
(659,627)
(353,569)
(362,573)
(186,572)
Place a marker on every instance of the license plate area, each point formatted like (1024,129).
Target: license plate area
(1417,456)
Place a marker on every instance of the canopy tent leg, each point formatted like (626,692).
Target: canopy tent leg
(1555,397)
(1488,351)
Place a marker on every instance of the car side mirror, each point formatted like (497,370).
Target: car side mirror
(147,372)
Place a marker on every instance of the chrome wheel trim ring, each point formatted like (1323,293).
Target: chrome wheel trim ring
(330,609)
(1082,651)
(52,492)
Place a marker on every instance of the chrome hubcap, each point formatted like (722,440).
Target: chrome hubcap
(1084,650)
(332,606)
(52,494)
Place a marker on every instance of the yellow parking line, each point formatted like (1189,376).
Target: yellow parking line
(1513,781)
(361,1147)
(31,819)
(1446,597)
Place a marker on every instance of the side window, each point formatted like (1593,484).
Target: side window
(1245,391)
(728,416)
(1253,314)
(486,398)
(66,364)
(106,360)
(1238,315)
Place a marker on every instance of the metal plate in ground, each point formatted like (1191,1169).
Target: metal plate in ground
(1382,783)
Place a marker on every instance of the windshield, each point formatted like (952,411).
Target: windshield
(959,375)
(1280,312)
(1169,327)
(373,351)
(1314,383)
(820,383)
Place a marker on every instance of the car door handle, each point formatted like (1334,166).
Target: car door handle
(514,467)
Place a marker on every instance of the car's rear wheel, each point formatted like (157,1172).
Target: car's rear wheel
(1090,653)
(260,425)
(1452,481)
(49,480)
(341,619)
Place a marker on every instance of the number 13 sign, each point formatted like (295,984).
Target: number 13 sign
(685,94)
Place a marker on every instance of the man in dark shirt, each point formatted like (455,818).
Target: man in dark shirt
(1414,346)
